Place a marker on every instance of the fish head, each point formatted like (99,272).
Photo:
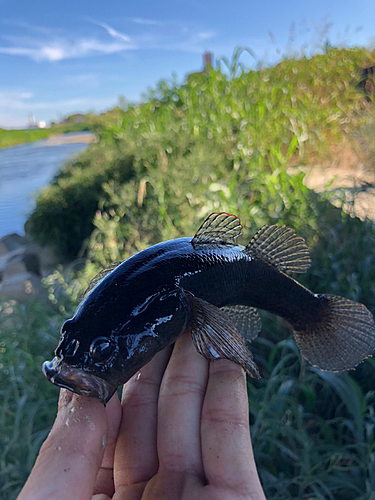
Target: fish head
(99,352)
(82,365)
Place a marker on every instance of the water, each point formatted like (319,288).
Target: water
(27,168)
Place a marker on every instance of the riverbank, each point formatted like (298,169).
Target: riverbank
(58,140)
(10,138)
(27,168)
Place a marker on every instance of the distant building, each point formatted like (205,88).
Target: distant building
(34,124)
(207,65)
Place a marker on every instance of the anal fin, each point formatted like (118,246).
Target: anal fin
(246,319)
(216,337)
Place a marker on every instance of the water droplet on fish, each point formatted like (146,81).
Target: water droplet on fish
(67,422)
(104,441)
(59,448)
(138,376)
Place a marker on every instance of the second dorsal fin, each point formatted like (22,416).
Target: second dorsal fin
(219,229)
(281,247)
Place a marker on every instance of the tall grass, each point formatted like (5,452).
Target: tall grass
(28,403)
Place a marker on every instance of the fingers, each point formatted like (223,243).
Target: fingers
(136,458)
(180,406)
(70,458)
(226,445)
(104,481)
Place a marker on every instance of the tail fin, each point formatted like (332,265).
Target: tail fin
(341,338)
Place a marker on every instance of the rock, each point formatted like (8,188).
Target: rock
(21,287)
(11,243)
(20,264)
(23,263)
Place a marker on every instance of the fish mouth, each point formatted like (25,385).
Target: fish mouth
(78,381)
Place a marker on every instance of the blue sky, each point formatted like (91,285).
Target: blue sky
(58,58)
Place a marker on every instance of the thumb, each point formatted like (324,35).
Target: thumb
(70,458)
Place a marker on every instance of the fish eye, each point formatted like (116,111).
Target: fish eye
(101,349)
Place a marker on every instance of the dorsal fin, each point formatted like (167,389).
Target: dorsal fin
(281,247)
(100,277)
(219,229)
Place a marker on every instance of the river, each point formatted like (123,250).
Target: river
(25,169)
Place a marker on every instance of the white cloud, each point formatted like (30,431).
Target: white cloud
(13,99)
(46,46)
(59,49)
(114,33)
(16,105)
(148,22)
(10,99)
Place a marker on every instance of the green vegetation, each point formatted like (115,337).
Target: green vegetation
(214,143)
(221,142)
(9,138)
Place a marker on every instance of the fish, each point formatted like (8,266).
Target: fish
(135,308)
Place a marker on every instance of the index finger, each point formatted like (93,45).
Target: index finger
(105,478)
(226,445)
(70,458)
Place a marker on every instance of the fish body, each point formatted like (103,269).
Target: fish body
(134,309)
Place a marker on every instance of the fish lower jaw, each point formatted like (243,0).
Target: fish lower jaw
(78,381)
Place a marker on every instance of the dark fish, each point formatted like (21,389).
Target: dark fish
(133,309)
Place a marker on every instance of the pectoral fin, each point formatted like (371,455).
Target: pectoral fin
(216,337)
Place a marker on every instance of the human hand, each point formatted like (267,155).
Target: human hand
(180,432)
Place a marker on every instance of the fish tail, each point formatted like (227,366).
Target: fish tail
(340,337)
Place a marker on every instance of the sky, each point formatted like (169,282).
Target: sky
(59,58)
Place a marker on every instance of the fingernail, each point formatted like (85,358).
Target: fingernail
(64,398)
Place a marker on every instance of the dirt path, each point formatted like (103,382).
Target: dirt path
(57,140)
(348,175)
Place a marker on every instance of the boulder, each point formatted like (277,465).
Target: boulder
(23,264)
(20,264)
(11,243)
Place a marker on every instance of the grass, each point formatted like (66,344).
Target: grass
(221,142)
(28,403)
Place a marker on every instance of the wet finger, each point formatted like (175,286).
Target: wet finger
(70,458)
(136,458)
(104,480)
(180,406)
(226,444)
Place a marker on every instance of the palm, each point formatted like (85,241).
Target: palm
(180,432)
(183,432)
